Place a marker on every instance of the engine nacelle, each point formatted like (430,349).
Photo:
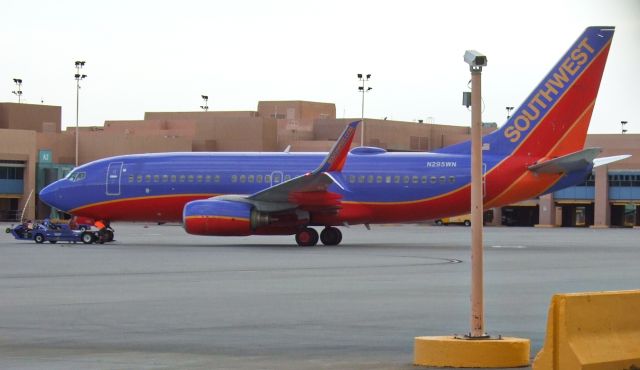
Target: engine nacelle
(222,217)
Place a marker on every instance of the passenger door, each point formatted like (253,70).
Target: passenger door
(114,173)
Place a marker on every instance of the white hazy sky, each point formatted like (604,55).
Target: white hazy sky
(162,55)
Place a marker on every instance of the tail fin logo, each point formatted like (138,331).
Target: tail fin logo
(550,90)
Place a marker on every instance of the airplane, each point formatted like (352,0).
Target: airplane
(538,150)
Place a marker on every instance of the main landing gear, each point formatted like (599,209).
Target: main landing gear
(308,237)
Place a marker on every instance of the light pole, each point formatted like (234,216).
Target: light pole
(509,109)
(363,90)
(205,103)
(18,92)
(476,61)
(623,124)
(79,77)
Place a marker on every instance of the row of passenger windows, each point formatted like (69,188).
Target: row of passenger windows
(397,179)
(259,179)
(277,178)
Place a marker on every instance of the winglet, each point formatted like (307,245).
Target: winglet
(338,155)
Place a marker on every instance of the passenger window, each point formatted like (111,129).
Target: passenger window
(251,178)
(287,177)
(183,178)
(452,179)
(352,179)
(130,178)
(443,179)
(267,179)
(165,178)
(199,178)
(156,178)
(139,178)
(414,179)
(147,178)
(379,179)
(405,179)
(174,178)
(370,179)
(259,179)
(234,178)
(216,178)
(277,178)
(243,179)
(189,178)
(396,179)
(433,179)
(424,179)
(388,179)
(361,179)
(207,178)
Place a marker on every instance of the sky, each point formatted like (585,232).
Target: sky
(163,55)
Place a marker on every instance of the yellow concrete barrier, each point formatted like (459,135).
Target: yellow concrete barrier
(592,331)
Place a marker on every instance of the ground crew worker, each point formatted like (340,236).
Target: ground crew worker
(102,230)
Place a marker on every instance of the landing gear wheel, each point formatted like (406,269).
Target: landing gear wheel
(53,241)
(307,237)
(108,235)
(87,237)
(331,236)
(439,222)
(39,238)
(467,223)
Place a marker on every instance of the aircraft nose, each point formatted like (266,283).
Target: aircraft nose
(48,194)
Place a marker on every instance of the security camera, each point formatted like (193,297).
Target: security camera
(475,59)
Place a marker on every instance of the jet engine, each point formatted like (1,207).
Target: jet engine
(222,217)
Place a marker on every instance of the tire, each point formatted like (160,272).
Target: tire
(87,237)
(331,236)
(53,241)
(467,223)
(39,238)
(7,230)
(307,237)
(82,228)
(439,222)
(108,236)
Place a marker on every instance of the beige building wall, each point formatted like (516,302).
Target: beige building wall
(33,117)
(21,145)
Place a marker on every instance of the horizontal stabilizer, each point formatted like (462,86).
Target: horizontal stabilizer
(567,163)
(606,160)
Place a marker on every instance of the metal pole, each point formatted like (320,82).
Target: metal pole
(77,112)
(362,118)
(477,305)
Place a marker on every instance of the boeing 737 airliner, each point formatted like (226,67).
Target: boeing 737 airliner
(539,150)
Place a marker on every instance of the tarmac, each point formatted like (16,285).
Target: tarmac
(158,298)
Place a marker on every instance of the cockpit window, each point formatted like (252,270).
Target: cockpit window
(77,176)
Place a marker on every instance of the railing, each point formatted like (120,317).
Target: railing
(9,215)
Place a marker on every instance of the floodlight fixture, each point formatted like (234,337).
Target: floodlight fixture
(18,91)
(475,59)
(509,109)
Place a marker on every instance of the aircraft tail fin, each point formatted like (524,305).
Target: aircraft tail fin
(338,155)
(554,119)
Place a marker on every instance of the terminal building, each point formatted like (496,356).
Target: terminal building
(35,151)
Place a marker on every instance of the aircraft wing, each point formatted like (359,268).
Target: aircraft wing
(310,190)
(567,163)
